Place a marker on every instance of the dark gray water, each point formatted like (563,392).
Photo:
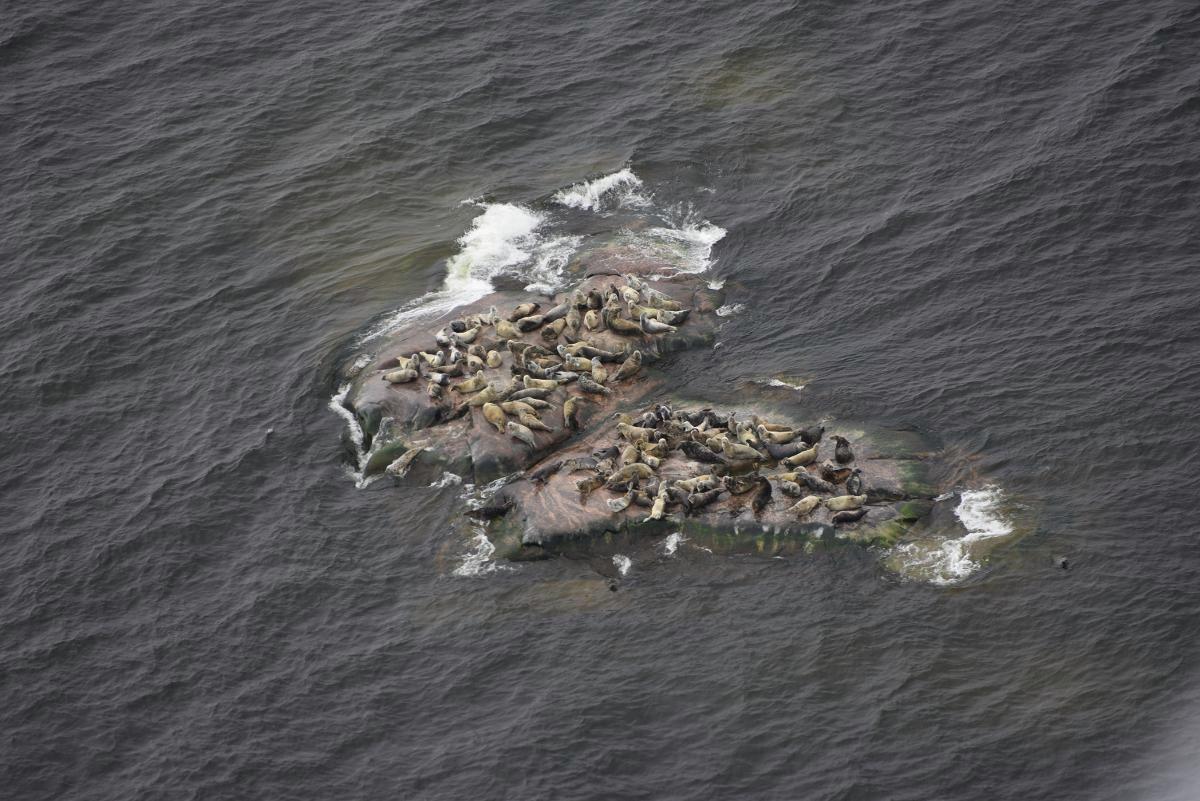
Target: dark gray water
(975,220)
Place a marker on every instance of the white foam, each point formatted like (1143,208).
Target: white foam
(478,561)
(777,382)
(356,438)
(716,283)
(688,247)
(448,479)
(729,310)
(671,544)
(623,563)
(951,560)
(620,188)
(503,236)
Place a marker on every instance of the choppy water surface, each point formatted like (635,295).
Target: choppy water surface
(973,222)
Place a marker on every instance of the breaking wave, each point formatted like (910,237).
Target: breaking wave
(618,189)
(952,560)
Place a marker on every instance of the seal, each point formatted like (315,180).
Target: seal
(649,326)
(617,505)
(551,331)
(493,359)
(805,505)
(492,393)
(526,324)
(739,451)
(523,310)
(400,467)
(570,411)
(532,422)
(802,458)
(854,484)
(775,437)
(792,489)
(633,433)
(588,385)
(520,432)
(698,500)
(494,415)
(506,330)
(833,474)
(629,367)
(842,452)
(530,392)
(542,474)
(842,503)
(812,435)
(400,376)
(472,384)
(591,320)
(850,516)
(740,485)
(539,383)
(815,484)
(659,508)
(762,496)
(599,373)
(557,313)
(700,453)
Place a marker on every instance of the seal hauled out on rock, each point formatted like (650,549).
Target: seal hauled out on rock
(842,452)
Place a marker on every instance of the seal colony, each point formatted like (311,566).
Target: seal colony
(558,397)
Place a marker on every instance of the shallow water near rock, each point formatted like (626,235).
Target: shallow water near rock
(974,223)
